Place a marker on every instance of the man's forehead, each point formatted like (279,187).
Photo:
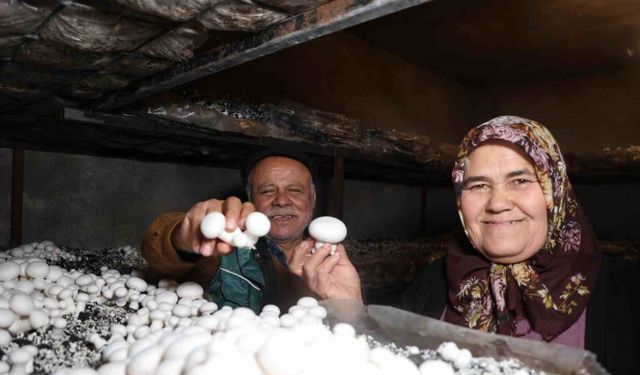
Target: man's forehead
(273,166)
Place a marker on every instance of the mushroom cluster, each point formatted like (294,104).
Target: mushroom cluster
(172,329)
(257,225)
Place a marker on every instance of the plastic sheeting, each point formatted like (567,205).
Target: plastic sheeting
(196,114)
(21,92)
(172,9)
(9,44)
(178,44)
(390,325)
(293,6)
(42,78)
(17,17)
(62,57)
(136,65)
(103,81)
(237,15)
(88,29)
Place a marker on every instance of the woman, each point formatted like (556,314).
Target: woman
(529,265)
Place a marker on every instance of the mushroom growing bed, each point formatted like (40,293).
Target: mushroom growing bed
(71,311)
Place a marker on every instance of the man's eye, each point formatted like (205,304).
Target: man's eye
(266,192)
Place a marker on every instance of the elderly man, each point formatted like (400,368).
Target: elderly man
(282,268)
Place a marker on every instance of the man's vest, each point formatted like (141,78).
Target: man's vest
(245,278)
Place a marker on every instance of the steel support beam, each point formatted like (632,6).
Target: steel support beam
(337,190)
(325,19)
(17,191)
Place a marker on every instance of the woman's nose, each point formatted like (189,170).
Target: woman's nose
(499,200)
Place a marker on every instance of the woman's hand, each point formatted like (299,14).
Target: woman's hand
(328,276)
(187,236)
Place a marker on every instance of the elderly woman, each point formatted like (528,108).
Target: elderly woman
(529,265)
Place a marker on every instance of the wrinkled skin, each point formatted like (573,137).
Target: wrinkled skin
(502,204)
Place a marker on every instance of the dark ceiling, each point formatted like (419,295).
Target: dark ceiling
(479,41)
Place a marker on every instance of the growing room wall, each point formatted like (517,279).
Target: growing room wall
(584,113)
(93,202)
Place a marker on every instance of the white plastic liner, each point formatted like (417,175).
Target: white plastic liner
(236,15)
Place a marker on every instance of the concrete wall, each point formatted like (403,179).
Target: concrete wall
(613,209)
(5,196)
(380,210)
(585,113)
(91,202)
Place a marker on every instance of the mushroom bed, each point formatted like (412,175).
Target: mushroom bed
(73,311)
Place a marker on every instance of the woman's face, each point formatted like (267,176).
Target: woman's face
(502,204)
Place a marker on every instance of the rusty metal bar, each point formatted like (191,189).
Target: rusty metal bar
(337,190)
(17,190)
(325,19)
(423,209)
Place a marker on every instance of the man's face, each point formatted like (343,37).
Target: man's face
(282,189)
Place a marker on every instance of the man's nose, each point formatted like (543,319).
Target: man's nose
(499,200)
(281,199)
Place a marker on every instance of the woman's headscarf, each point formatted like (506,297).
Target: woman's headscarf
(551,289)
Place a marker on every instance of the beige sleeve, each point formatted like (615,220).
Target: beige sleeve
(163,259)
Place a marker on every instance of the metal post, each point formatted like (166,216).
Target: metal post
(17,191)
(337,190)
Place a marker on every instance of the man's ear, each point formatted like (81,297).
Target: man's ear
(313,198)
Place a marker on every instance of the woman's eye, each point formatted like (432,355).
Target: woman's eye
(520,181)
(477,187)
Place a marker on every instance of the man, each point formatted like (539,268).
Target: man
(282,268)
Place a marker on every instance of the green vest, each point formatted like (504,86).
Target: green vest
(245,278)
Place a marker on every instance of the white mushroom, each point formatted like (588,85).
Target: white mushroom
(212,225)
(7,318)
(327,230)
(38,269)
(137,284)
(436,367)
(9,271)
(257,225)
(190,290)
(21,304)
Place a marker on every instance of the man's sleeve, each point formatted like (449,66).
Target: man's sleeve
(165,261)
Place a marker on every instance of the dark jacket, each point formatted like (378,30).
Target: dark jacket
(612,330)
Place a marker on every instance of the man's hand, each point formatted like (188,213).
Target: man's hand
(187,236)
(329,276)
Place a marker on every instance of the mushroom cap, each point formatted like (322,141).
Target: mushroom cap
(212,225)
(7,318)
(84,280)
(328,229)
(241,240)
(258,224)
(190,290)
(167,297)
(37,269)
(9,271)
(20,356)
(22,304)
(137,284)
(437,367)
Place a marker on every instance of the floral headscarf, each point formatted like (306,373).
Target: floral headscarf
(551,289)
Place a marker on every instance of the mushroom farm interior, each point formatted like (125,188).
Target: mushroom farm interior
(113,112)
